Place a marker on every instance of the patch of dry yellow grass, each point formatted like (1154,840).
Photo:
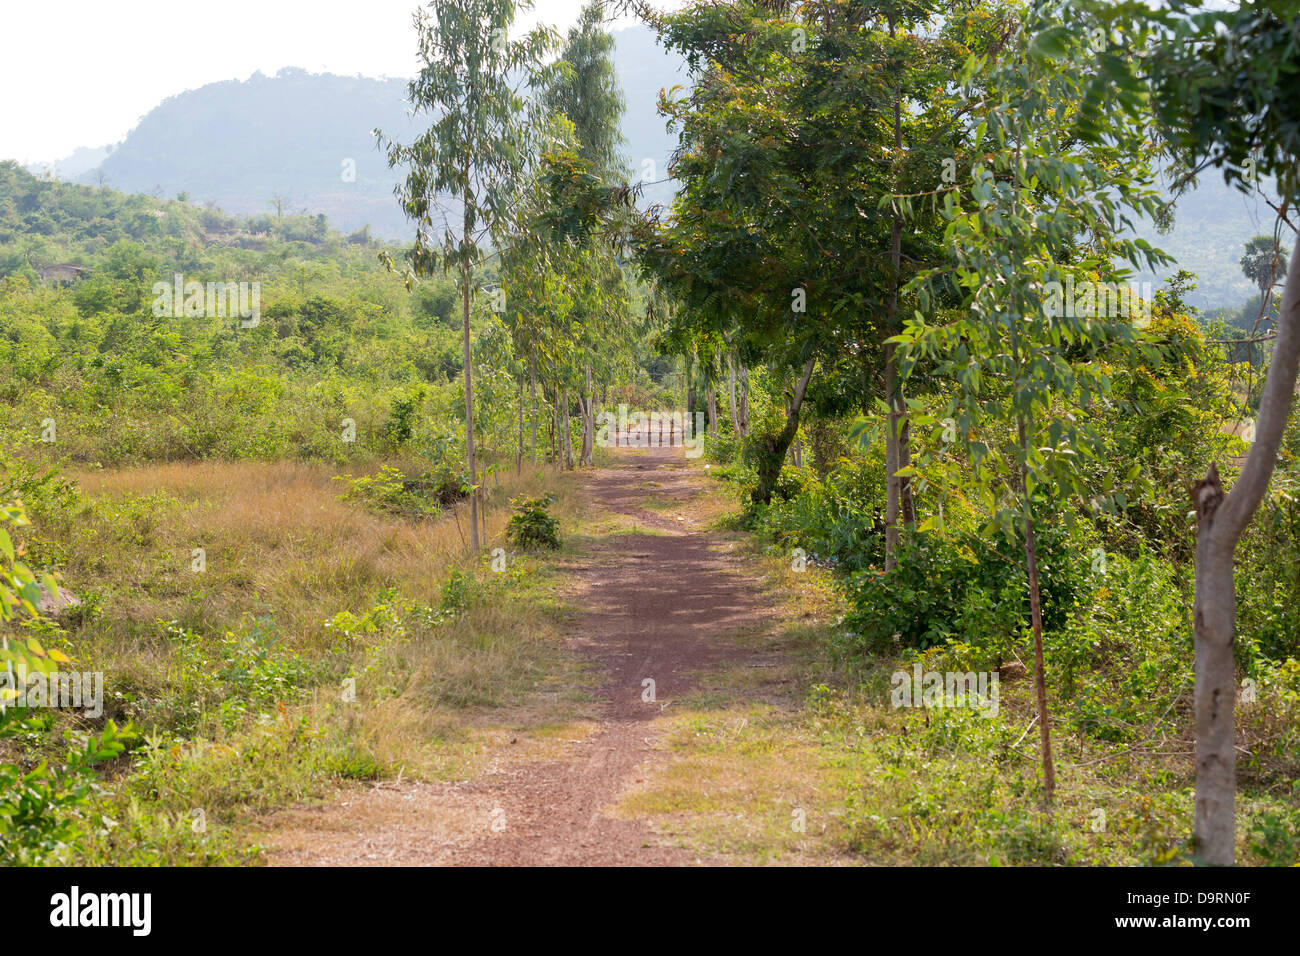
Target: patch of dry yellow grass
(277,538)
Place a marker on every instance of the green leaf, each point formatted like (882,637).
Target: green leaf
(1051,43)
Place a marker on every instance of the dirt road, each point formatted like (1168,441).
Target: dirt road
(655,608)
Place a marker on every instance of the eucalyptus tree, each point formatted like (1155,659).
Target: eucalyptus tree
(1041,203)
(476,150)
(586,90)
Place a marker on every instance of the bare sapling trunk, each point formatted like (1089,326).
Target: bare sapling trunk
(1221,520)
(469,417)
(588,423)
(731,387)
(1036,621)
(555,428)
(712,410)
(893,483)
(532,376)
(519,446)
(743,407)
(566,437)
(686,386)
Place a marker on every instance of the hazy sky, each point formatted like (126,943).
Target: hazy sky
(83,72)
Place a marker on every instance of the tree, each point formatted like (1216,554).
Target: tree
(1262,261)
(1223,87)
(476,151)
(1043,202)
(803,116)
(585,89)
(586,92)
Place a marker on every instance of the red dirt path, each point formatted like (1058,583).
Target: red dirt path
(655,606)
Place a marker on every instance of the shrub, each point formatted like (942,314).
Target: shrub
(401,418)
(532,525)
(41,808)
(388,491)
(962,588)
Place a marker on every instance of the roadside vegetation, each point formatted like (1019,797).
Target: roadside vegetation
(312,540)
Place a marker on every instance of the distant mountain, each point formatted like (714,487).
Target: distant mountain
(81,161)
(299,136)
(306,138)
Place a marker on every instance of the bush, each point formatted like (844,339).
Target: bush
(963,588)
(838,521)
(388,491)
(532,526)
(42,810)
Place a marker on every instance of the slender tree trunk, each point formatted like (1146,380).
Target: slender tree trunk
(589,423)
(519,446)
(1036,619)
(731,386)
(686,382)
(893,483)
(775,448)
(712,409)
(555,426)
(469,412)
(898,489)
(564,425)
(743,413)
(1221,520)
(532,375)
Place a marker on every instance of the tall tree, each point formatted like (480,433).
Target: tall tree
(476,150)
(1224,85)
(1041,203)
(585,89)
(1262,261)
(803,116)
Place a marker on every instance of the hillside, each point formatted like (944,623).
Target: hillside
(239,144)
(1212,224)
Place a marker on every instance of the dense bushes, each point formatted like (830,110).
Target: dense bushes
(965,588)
(532,526)
(1117,628)
(836,521)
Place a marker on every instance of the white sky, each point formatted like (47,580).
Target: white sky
(83,72)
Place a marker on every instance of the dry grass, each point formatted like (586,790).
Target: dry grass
(437,689)
(277,539)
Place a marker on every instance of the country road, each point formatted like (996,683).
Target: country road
(655,607)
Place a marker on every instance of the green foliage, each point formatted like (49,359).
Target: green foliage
(401,420)
(532,526)
(41,808)
(961,589)
(835,520)
(389,491)
(456,593)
